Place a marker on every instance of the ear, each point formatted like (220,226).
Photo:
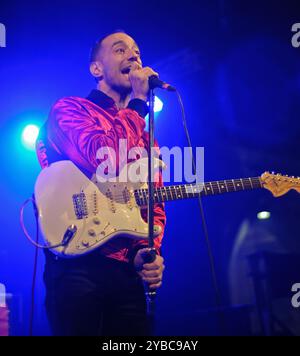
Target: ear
(96,70)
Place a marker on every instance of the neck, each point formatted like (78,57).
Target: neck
(175,192)
(121,99)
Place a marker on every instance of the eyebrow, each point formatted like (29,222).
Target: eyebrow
(122,42)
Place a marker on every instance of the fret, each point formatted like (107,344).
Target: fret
(225,185)
(175,190)
(168,194)
(220,191)
(221,187)
(216,188)
(212,188)
(241,180)
(171,194)
(250,181)
(257,182)
(190,190)
(229,185)
(178,190)
(234,187)
(165,195)
(198,189)
(237,185)
(208,189)
(183,191)
(195,190)
(246,183)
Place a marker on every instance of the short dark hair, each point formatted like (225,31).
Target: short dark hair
(97,46)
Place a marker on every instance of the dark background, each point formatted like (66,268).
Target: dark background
(239,76)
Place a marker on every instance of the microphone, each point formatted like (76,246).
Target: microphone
(155,82)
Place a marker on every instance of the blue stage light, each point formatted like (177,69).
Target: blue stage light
(29,136)
(158,105)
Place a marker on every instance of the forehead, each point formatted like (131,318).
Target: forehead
(110,40)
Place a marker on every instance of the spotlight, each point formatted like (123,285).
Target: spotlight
(158,105)
(29,136)
(263,215)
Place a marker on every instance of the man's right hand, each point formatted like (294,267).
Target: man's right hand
(151,272)
(139,78)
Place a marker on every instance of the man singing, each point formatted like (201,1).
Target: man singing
(102,293)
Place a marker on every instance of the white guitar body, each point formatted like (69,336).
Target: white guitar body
(86,214)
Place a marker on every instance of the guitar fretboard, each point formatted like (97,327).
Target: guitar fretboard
(187,191)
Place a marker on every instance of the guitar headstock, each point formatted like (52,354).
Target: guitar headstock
(278,184)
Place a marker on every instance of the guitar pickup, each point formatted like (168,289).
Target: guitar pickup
(80,205)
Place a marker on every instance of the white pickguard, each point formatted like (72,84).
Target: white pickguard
(111,209)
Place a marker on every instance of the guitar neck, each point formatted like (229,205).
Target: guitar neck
(188,191)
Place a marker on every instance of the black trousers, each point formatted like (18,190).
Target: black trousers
(94,295)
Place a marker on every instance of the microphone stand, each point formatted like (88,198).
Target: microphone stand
(150,295)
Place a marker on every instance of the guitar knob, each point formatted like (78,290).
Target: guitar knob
(92,232)
(96,221)
(85,243)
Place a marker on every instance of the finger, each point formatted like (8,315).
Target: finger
(150,71)
(155,286)
(149,274)
(152,280)
(151,266)
(156,264)
(136,66)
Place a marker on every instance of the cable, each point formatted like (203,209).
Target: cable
(35,243)
(37,246)
(204,225)
(31,314)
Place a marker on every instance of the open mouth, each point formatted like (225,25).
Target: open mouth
(126,70)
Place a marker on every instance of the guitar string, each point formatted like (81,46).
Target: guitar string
(253,183)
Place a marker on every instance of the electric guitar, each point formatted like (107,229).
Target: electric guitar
(77,214)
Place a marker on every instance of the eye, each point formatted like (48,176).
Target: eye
(120,50)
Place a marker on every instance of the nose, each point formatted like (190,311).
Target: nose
(133,57)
